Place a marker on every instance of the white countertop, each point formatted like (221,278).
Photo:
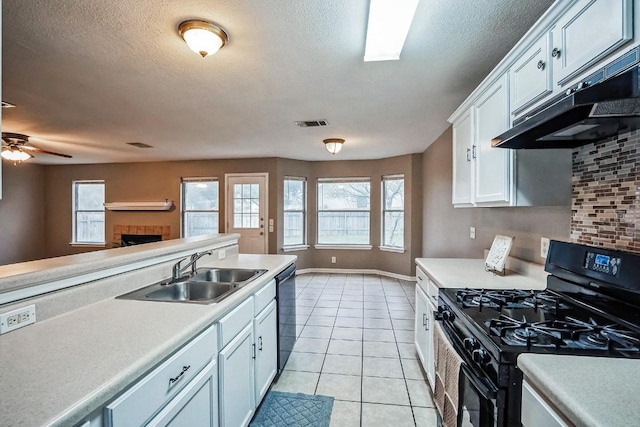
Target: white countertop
(470,273)
(589,391)
(60,370)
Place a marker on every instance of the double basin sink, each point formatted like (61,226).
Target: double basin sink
(205,286)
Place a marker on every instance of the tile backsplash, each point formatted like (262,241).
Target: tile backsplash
(606,193)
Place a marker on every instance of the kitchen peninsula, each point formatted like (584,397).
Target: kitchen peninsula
(87,346)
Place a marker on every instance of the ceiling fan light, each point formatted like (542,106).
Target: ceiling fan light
(15,155)
(333,145)
(203,37)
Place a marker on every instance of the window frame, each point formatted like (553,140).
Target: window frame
(183,193)
(384,210)
(303,211)
(339,180)
(74,212)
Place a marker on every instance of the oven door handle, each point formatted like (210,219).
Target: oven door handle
(489,393)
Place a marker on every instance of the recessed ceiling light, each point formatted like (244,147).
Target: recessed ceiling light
(389,22)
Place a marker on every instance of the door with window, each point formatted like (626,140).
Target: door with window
(246,200)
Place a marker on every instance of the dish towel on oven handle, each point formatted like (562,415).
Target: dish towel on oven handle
(446,394)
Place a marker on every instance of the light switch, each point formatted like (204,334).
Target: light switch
(270,224)
(271,229)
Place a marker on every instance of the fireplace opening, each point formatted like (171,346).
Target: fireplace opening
(139,239)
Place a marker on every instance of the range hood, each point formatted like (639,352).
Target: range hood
(586,114)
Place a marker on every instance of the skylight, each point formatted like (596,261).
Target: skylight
(389,22)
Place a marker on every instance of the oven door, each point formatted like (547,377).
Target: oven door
(477,393)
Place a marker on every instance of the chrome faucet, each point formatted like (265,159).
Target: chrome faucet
(178,270)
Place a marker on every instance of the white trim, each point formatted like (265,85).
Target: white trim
(392,249)
(88,244)
(357,271)
(295,248)
(347,247)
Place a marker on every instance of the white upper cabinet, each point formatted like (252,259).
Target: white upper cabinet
(587,32)
(462,166)
(492,166)
(530,76)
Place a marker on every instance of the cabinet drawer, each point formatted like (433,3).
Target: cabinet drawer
(536,411)
(235,321)
(432,292)
(421,278)
(263,297)
(138,404)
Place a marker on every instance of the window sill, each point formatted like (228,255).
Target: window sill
(295,248)
(391,249)
(87,245)
(348,247)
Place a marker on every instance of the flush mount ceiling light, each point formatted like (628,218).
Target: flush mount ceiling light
(15,154)
(389,22)
(203,37)
(333,145)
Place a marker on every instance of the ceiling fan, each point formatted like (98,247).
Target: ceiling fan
(16,148)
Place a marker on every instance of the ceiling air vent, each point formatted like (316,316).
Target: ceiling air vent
(139,144)
(312,123)
(7,105)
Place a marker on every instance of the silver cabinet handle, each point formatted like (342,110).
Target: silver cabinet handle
(424,319)
(254,350)
(555,52)
(260,340)
(541,65)
(179,376)
(468,154)
(473,151)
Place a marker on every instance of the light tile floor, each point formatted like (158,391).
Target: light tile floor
(355,343)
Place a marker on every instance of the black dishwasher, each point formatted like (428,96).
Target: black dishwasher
(286,300)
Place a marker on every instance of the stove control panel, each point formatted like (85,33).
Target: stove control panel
(602,263)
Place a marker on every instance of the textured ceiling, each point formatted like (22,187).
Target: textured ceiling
(88,77)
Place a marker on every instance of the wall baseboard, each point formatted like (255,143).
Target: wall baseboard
(357,271)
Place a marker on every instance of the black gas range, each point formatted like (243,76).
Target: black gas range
(591,307)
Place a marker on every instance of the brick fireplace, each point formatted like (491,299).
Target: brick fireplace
(140,230)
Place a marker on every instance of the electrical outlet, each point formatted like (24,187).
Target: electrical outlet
(333,260)
(544,246)
(472,232)
(222,253)
(17,318)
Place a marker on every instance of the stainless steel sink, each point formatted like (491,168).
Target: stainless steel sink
(226,275)
(206,286)
(193,291)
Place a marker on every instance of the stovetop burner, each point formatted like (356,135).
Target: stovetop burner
(509,299)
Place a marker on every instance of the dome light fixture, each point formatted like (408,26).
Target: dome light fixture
(203,37)
(333,145)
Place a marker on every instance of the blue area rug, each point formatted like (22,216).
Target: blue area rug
(281,409)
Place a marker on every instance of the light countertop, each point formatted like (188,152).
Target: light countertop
(588,391)
(470,273)
(60,370)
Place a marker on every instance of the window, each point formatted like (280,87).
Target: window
(200,214)
(393,211)
(295,206)
(88,212)
(344,211)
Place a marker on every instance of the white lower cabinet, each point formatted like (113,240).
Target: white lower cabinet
(423,333)
(266,363)
(237,398)
(195,405)
(165,386)
(536,411)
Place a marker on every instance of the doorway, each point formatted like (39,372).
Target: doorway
(246,197)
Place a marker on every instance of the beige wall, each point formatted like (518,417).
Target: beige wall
(446,230)
(22,213)
(157,181)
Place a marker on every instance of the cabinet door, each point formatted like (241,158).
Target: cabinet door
(430,369)
(420,327)
(588,32)
(536,411)
(462,166)
(530,76)
(196,405)
(492,165)
(237,396)
(266,334)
